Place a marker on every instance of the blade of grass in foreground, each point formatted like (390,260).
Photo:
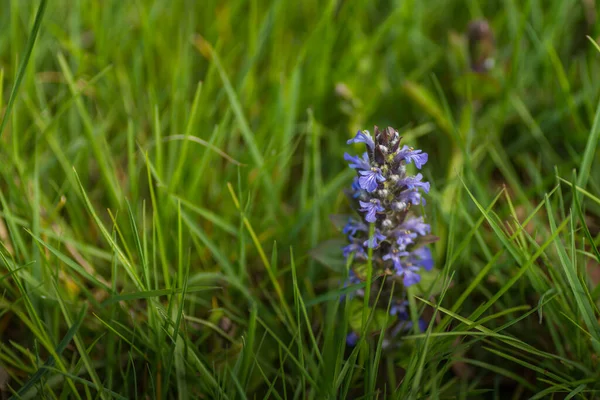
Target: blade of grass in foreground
(113,395)
(51,361)
(590,151)
(129,268)
(301,311)
(586,230)
(427,342)
(263,257)
(79,344)
(579,291)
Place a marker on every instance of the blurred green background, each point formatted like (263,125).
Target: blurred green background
(163,157)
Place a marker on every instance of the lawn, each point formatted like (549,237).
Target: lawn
(173,188)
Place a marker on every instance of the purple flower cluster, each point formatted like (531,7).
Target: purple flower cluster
(385,196)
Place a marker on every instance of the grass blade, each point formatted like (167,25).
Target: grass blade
(39,16)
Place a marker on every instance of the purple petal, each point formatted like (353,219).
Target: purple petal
(375,240)
(409,155)
(412,182)
(356,187)
(357,162)
(419,159)
(352,339)
(371,208)
(368,181)
(412,196)
(355,248)
(353,226)
(411,278)
(405,237)
(416,225)
(400,310)
(371,215)
(401,155)
(424,258)
(365,204)
(363,137)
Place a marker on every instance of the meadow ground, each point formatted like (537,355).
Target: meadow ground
(168,170)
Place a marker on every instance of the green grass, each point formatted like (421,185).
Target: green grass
(168,171)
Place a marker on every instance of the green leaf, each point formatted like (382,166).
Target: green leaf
(380,317)
(329,253)
(430,283)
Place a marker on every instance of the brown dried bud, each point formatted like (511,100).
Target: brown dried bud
(481,45)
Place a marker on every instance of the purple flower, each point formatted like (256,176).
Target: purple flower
(406,325)
(412,196)
(412,182)
(411,276)
(422,257)
(404,237)
(371,208)
(409,155)
(374,241)
(353,226)
(356,188)
(384,196)
(363,137)
(357,162)
(416,225)
(352,280)
(355,248)
(400,310)
(395,255)
(352,339)
(369,179)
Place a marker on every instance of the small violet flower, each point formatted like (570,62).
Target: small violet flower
(353,226)
(412,196)
(358,163)
(413,182)
(395,256)
(375,240)
(369,179)
(422,257)
(355,248)
(371,208)
(410,275)
(416,225)
(352,339)
(356,189)
(409,155)
(406,325)
(352,280)
(363,137)
(404,238)
(400,310)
